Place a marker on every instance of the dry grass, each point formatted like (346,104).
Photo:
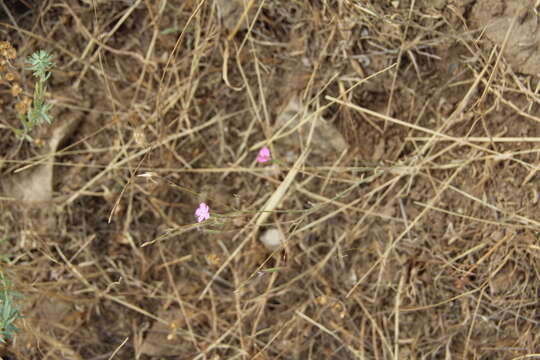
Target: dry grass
(410,214)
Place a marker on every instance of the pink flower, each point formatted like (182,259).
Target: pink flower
(264,155)
(203,212)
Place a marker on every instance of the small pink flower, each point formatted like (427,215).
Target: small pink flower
(264,155)
(203,212)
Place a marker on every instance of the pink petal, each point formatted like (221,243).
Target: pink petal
(202,213)
(264,155)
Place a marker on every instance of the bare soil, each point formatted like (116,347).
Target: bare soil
(404,142)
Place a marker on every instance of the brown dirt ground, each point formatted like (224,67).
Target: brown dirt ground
(404,134)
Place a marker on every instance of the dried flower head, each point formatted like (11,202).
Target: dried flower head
(11,53)
(22,106)
(16,90)
(7,51)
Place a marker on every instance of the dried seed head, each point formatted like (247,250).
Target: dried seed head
(11,54)
(7,51)
(22,106)
(16,90)
(139,137)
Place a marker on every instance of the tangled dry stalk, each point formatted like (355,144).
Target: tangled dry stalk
(405,136)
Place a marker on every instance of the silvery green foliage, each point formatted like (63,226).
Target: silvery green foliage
(40,64)
(9,311)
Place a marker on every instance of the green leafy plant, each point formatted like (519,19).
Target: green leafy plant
(37,112)
(9,311)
